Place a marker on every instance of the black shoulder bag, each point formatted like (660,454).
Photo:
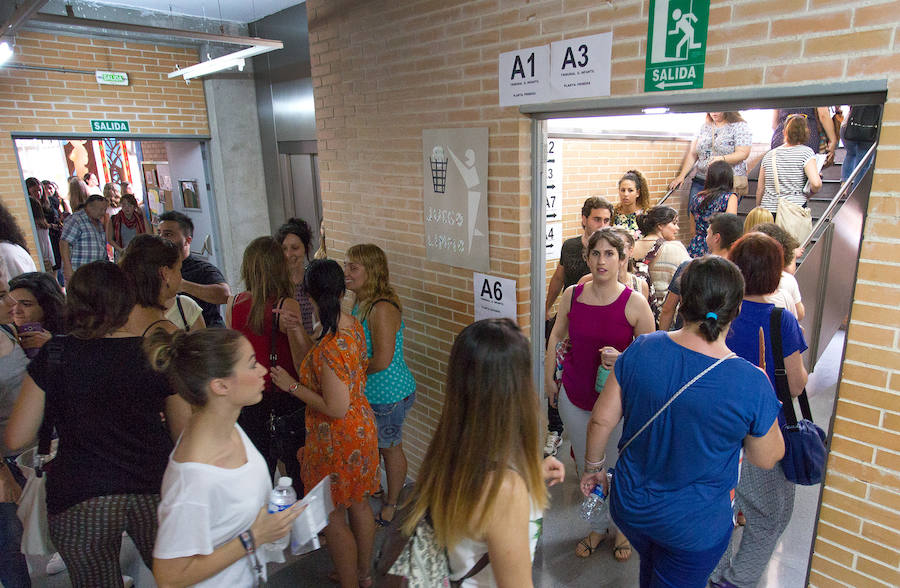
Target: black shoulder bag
(287,430)
(804,441)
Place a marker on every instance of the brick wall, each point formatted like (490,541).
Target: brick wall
(382,71)
(154,151)
(63,103)
(592,167)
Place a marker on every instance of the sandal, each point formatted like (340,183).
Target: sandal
(366,582)
(383,522)
(585,548)
(623,547)
(741,519)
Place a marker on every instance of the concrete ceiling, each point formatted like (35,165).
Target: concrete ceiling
(240,11)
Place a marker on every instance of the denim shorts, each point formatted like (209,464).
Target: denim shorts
(389,420)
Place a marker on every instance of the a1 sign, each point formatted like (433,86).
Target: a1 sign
(676,44)
(553,175)
(580,68)
(525,76)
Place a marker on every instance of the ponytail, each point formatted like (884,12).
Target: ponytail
(324,282)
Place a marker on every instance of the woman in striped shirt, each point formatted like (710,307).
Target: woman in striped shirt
(785,170)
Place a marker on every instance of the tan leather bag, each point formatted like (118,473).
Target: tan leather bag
(741,185)
(791,217)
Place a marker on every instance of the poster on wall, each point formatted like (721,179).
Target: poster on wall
(524,76)
(580,68)
(553,240)
(553,175)
(494,297)
(455,165)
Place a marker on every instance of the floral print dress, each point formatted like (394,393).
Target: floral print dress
(344,448)
(698,246)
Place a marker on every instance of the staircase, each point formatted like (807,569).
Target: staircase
(818,202)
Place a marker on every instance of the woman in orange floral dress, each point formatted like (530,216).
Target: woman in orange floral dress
(341,438)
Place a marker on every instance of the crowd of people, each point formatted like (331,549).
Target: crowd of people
(177,417)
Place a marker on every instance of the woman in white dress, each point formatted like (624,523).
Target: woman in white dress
(213,526)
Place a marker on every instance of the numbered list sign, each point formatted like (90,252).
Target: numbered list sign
(524,76)
(494,297)
(553,174)
(580,68)
(553,239)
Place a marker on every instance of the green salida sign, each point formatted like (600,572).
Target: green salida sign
(676,45)
(110,126)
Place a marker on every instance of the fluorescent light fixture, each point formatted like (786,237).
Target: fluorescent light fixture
(5,52)
(657,110)
(224,62)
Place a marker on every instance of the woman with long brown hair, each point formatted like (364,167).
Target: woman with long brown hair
(390,387)
(482,479)
(255,313)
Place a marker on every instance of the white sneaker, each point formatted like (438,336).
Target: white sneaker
(55,564)
(128,581)
(551,445)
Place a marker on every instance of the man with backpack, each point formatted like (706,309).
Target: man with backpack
(859,135)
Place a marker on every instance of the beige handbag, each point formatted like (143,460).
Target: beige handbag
(741,185)
(791,217)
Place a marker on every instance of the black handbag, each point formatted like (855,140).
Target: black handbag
(804,441)
(287,430)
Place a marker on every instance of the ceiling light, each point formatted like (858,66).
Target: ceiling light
(224,62)
(656,110)
(5,52)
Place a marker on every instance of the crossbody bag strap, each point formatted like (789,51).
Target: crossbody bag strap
(479,565)
(775,170)
(672,399)
(273,351)
(782,387)
(371,306)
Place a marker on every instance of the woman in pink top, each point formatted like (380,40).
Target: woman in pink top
(601,318)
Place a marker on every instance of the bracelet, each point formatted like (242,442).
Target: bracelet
(600,463)
(293,388)
(250,547)
(593,469)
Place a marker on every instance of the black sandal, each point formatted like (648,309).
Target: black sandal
(587,548)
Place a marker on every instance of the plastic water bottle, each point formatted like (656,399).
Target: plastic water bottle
(282,497)
(595,503)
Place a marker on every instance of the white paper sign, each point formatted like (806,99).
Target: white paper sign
(305,528)
(580,68)
(494,297)
(553,240)
(553,175)
(524,76)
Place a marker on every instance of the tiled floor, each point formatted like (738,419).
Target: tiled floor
(555,564)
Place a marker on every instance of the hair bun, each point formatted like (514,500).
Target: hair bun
(163,348)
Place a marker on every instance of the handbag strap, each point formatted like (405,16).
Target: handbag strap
(775,170)
(273,351)
(672,399)
(187,327)
(782,387)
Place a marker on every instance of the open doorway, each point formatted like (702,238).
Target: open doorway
(576,158)
(165,175)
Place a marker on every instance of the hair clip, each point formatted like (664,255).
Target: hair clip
(712,315)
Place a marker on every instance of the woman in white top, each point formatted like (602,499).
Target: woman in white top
(213,524)
(185,313)
(482,479)
(13,252)
(660,248)
(785,170)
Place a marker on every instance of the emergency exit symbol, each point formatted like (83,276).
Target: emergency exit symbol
(676,45)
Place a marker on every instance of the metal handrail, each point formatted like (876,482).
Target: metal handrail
(841,193)
(678,187)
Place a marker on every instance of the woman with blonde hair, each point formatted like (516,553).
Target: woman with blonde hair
(634,198)
(482,479)
(757,216)
(390,387)
(78,193)
(256,314)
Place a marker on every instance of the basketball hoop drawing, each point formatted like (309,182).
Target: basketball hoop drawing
(438,169)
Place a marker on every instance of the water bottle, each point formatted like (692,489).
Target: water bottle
(595,503)
(282,497)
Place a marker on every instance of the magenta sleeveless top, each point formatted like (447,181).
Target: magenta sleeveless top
(590,329)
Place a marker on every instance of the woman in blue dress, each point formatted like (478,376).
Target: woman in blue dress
(717,196)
